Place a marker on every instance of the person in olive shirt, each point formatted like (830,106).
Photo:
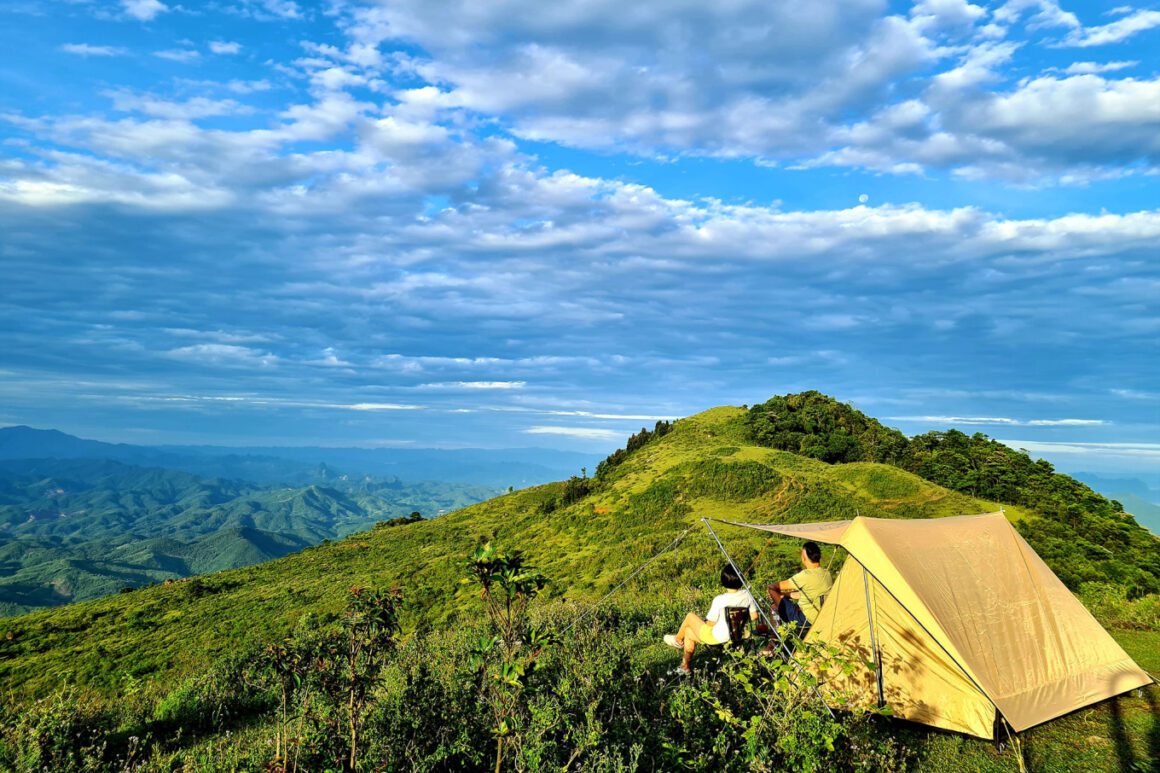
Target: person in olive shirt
(799,599)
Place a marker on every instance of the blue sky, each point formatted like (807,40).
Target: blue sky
(515,223)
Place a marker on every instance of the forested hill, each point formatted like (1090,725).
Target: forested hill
(1084,535)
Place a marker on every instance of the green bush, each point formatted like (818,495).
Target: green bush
(1083,536)
(213,699)
(1109,603)
(69,730)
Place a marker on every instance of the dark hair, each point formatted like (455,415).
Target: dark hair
(730,579)
(813,552)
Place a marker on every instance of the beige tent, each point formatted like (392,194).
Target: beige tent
(964,622)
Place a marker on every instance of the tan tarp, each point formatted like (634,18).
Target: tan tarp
(830,531)
(967,619)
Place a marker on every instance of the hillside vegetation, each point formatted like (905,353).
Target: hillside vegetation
(181,651)
(72,530)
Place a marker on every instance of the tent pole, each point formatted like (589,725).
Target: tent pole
(788,654)
(873,640)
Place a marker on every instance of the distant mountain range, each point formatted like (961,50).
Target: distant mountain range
(1140,495)
(500,468)
(81,518)
(76,529)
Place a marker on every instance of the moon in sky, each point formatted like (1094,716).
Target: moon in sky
(863,198)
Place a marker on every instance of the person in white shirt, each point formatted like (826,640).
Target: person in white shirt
(714,629)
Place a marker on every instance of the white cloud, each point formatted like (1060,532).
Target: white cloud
(612,416)
(1066,423)
(470,385)
(224,47)
(285,9)
(947,13)
(1040,14)
(1046,128)
(84,49)
(583,433)
(1002,421)
(1095,68)
(226,355)
(591,75)
(417,227)
(191,109)
(379,407)
(1127,450)
(822,356)
(1136,394)
(1119,30)
(784,82)
(248,87)
(144,10)
(183,55)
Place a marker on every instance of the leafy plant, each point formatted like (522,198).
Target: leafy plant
(332,672)
(506,659)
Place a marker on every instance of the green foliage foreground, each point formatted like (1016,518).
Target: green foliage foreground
(551,694)
(343,694)
(173,676)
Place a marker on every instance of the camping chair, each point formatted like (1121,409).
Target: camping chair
(712,656)
(738,619)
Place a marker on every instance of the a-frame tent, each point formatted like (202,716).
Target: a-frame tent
(965,623)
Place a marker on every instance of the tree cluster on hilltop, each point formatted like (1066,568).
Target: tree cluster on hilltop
(645,436)
(1086,534)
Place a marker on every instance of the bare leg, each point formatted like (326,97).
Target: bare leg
(775,596)
(689,637)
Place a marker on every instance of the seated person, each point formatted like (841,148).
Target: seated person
(714,629)
(799,599)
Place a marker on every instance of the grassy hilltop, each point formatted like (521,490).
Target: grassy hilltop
(586,535)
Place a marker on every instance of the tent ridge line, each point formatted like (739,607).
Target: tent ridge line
(1017,540)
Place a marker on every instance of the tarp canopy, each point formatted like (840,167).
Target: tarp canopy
(830,532)
(964,619)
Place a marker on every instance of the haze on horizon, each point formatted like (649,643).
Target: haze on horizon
(504,224)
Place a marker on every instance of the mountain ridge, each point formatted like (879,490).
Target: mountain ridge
(298,464)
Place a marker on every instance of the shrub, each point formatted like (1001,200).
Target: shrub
(66,731)
(213,699)
(1109,603)
(730,481)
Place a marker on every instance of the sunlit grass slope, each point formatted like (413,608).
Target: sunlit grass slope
(705,467)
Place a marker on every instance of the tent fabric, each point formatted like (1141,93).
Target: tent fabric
(968,620)
(920,682)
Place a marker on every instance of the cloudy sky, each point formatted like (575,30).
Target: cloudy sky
(521,223)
